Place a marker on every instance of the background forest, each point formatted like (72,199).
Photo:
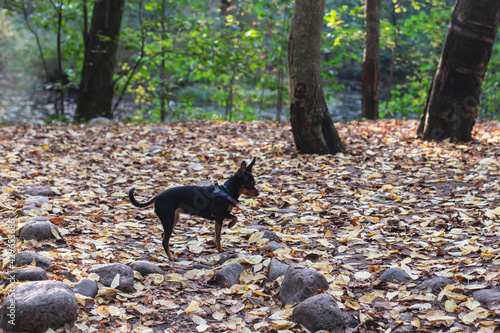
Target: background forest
(181,60)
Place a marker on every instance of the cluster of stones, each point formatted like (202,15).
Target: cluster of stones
(315,309)
(40,303)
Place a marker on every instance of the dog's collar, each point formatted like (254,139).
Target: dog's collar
(232,200)
(229,197)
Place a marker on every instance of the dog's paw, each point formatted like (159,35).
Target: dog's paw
(233,222)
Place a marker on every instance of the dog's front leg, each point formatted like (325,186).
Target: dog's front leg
(218,230)
(234,219)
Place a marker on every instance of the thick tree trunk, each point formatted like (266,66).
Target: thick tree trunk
(96,87)
(312,126)
(370,71)
(453,100)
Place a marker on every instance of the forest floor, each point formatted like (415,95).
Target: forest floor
(432,209)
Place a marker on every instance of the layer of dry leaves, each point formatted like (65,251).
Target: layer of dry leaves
(391,200)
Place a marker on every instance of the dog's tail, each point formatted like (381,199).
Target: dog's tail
(135,202)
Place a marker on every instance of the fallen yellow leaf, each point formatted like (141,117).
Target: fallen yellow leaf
(193,307)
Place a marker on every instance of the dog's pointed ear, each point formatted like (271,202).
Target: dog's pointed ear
(249,167)
(243,168)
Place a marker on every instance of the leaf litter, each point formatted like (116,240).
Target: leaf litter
(431,209)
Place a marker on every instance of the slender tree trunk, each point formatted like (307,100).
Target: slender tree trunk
(163,74)
(370,71)
(453,101)
(96,87)
(60,86)
(312,126)
(137,63)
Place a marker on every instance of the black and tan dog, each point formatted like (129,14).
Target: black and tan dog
(210,202)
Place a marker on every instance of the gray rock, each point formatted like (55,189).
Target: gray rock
(26,274)
(107,273)
(226,256)
(38,231)
(203,183)
(488,297)
(276,269)
(229,275)
(100,121)
(30,210)
(43,191)
(145,268)
(257,227)
(155,149)
(283,211)
(435,284)
(36,200)
(37,219)
(320,312)
(27,257)
(273,247)
(300,284)
(194,168)
(270,235)
(394,273)
(86,287)
(36,306)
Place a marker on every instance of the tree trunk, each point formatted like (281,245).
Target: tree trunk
(453,100)
(96,86)
(60,85)
(312,126)
(163,74)
(370,71)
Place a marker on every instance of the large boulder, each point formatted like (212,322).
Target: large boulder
(39,230)
(320,312)
(86,287)
(37,306)
(276,269)
(26,274)
(145,267)
(43,191)
(435,284)
(300,284)
(229,275)
(108,272)
(488,297)
(27,257)
(36,200)
(394,274)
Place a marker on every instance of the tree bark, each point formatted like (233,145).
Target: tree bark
(453,101)
(96,86)
(312,126)
(370,71)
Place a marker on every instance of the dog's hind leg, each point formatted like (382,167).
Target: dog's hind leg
(168,223)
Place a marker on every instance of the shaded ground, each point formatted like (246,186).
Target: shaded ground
(391,200)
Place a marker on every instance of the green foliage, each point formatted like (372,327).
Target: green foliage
(420,40)
(489,107)
(200,59)
(6,37)
(218,50)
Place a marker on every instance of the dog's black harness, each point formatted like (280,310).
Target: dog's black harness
(221,201)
